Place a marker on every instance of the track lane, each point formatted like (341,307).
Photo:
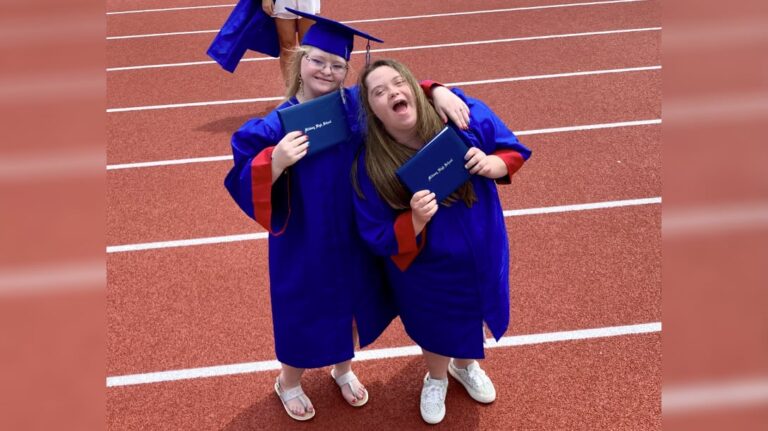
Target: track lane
(153,22)
(611,383)
(598,268)
(595,384)
(192,47)
(192,193)
(448,64)
(169,134)
(183,202)
(190,201)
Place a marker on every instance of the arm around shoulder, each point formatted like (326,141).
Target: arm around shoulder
(497,140)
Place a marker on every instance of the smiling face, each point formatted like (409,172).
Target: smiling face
(392,100)
(321,73)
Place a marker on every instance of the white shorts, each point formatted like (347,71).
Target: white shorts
(308,6)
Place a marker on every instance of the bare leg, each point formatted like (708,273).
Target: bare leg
(343,367)
(286,34)
(290,377)
(355,335)
(339,370)
(304,25)
(436,364)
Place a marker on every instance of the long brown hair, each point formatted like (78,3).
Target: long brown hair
(383,155)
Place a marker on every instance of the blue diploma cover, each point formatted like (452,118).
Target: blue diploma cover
(322,119)
(438,166)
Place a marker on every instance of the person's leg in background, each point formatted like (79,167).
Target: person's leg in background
(286,34)
(304,25)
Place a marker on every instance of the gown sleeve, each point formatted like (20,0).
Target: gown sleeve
(387,232)
(494,136)
(249,182)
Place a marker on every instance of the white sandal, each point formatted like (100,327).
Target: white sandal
(290,394)
(347,379)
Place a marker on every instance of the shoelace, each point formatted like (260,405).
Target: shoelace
(476,377)
(433,397)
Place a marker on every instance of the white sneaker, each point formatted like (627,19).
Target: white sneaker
(475,381)
(433,399)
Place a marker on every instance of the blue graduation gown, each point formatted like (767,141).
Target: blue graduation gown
(321,274)
(247,27)
(456,274)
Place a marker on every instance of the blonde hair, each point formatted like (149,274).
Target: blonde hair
(383,155)
(294,70)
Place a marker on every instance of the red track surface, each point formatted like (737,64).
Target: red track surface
(205,131)
(606,254)
(513,59)
(426,31)
(208,305)
(596,384)
(191,202)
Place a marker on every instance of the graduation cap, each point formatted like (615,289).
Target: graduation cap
(332,36)
(248,27)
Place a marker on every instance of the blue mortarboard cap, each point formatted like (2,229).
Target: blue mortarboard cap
(331,36)
(247,27)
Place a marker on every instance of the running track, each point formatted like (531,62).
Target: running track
(189,325)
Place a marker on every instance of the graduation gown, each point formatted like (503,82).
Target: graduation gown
(321,274)
(247,27)
(455,275)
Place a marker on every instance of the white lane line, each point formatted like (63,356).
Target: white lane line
(189,63)
(412,48)
(556,75)
(518,133)
(708,396)
(198,63)
(517,39)
(54,277)
(176,33)
(170,9)
(439,15)
(476,12)
(453,84)
(582,207)
(187,105)
(590,127)
(73,163)
(724,33)
(264,235)
(168,162)
(367,355)
(186,242)
(700,221)
(716,108)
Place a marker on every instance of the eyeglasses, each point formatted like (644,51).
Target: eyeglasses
(336,68)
